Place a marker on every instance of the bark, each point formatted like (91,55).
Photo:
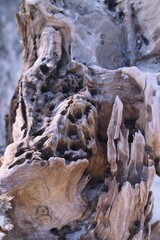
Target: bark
(84,122)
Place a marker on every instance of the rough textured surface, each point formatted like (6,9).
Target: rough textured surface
(5,223)
(155,231)
(83,123)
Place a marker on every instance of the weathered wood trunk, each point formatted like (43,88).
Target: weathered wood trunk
(83,123)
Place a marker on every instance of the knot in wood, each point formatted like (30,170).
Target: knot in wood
(43,210)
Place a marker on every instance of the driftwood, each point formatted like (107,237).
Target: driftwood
(83,128)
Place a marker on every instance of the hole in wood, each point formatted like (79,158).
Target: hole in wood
(64,112)
(51,107)
(61,148)
(28,155)
(102,42)
(129,123)
(44,69)
(32,99)
(121,14)
(39,120)
(66,229)
(38,110)
(111,4)
(93,91)
(54,231)
(145,40)
(78,114)
(66,89)
(75,146)
(88,108)
(72,132)
(44,88)
(71,118)
(89,152)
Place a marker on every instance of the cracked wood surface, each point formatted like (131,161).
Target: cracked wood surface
(84,128)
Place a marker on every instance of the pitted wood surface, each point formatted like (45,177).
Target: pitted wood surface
(85,128)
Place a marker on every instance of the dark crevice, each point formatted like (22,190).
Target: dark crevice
(130,138)
(35,45)
(87,109)
(130,124)
(44,69)
(39,120)
(43,59)
(24,114)
(38,110)
(47,153)
(115,143)
(62,232)
(65,89)
(145,40)
(19,152)
(64,112)
(32,99)
(39,132)
(72,132)
(44,88)
(51,107)
(157,165)
(30,86)
(102,138)
(135,230)
(40,143)
(55,231)
(61,148)
(111,4)
(89,152)
(18,162)
(78,114)
(93,91)
(64,59)
(28,155)
(121,14)
(75,146)
(71,118)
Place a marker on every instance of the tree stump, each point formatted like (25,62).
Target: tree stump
(83,123)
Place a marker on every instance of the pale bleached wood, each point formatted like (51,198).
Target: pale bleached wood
(149,83)
(121,212)
(113,133)
(84,127)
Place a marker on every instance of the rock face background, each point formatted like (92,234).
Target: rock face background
(146,41)
(10,60)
